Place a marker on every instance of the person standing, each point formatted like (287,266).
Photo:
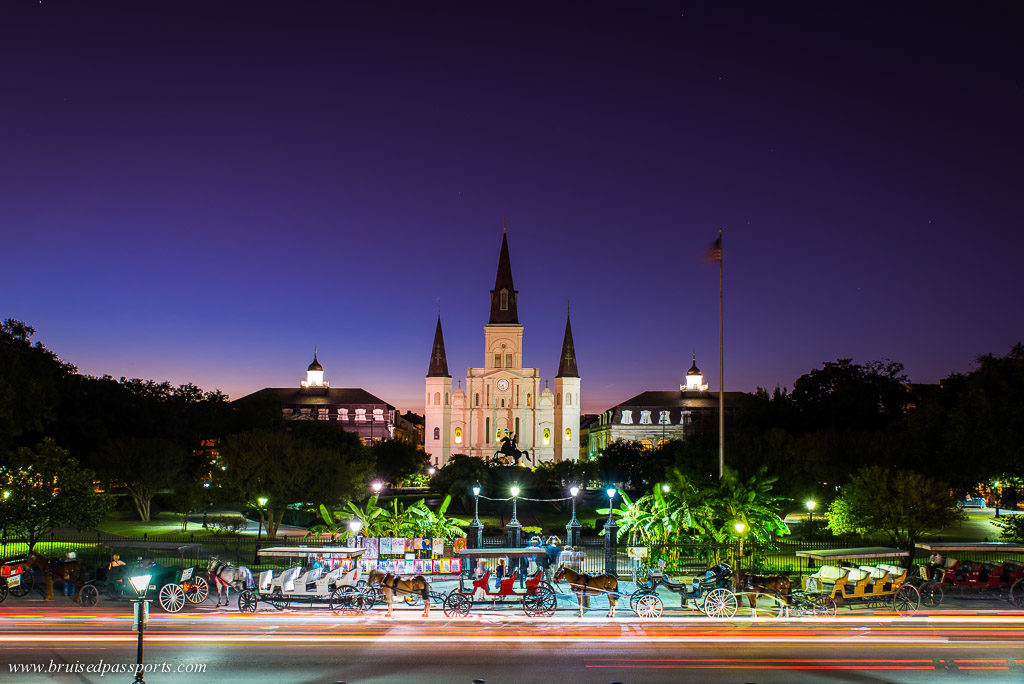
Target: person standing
(499,574)
(553,550)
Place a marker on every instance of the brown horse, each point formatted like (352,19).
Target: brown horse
(583,584)
(391,583)
(68,570)
(778,585)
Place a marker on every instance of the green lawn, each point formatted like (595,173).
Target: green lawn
(165,526)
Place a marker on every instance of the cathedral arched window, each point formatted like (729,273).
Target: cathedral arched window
(529,400)
(568,434)
(437,398)
(568,399)
(445,398)
(504,299)
(437,433)
(547,436)
(458,435)
(646,444)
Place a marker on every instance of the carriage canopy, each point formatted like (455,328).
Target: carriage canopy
(959,547)
(499,553)
(292,551)
(863,552)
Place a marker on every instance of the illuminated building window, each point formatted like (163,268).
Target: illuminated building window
(568,434)
(529,399)
(662,442)
(499,434)
(645,417)
(547,436)
(646,444)
(437,433)
(684,418)
(360,415)
(378,414)
(663,418)
(627,418)
(343,414)
(321,414)
(458,435)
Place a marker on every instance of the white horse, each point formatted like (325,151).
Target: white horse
(224,576)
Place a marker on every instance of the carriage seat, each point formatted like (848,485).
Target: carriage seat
(828,576)
(507,582)
(897,574)
(532,582)
(482,583)
(266,580)
(857,581)
(287,578)
(876,572)
(309,579)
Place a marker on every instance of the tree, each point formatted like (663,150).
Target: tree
(901,503)
(30,385)
(397,460)
(309,463)
(458,476)
(750,501)
(842,395)
(44,488)
(144,467)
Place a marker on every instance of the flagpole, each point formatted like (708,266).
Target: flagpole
(721,368)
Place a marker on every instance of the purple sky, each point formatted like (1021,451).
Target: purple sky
(203,191)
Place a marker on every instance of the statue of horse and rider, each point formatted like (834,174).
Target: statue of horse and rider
(509,452)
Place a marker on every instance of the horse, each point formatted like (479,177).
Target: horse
(581,584)
(779,585)
(68,570)
(391,583)
(224,575)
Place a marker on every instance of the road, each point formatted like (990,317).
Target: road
(500,646)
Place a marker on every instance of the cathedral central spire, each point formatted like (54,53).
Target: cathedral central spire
(438,360)
(504,294)
(567,361)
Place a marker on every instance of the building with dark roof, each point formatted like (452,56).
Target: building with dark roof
(351,408)
(654,417)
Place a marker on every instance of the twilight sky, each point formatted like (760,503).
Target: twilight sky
(203,191)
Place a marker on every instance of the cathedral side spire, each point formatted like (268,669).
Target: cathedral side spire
(438,359)
(504,294)
(567,361)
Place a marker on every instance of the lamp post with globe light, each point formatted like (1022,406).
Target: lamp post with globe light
(355,525)
(262,501)
(611,551)
(141,608)
(515,530)
(740,528)
(476,528)
(572,530)
(810,516)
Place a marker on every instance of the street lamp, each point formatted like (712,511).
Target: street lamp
(611,552)
(740,528)
(141,585)
(476,528)
(572,530)
(354,526)
(262,501)
(431,470)
(665,488)
(810,515)
(514,528)
(376,487)
(611,495)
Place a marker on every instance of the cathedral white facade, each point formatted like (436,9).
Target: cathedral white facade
(502,398)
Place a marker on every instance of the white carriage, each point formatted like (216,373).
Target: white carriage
(322,575)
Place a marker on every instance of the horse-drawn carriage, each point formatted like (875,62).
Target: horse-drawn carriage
(14,580)
(175,586)
(325,575)
(991,577)
(855,577)
(710,592)
(537,597)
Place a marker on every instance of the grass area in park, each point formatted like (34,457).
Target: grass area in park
(163,526)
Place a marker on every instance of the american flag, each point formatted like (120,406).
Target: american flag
(714,252)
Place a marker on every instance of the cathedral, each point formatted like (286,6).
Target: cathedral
(501,399)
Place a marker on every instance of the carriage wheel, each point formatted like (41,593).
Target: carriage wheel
(906,600)
(1016,593)
(172,597)
(636,596)
(247,601)
(347,599)
(823,605)
(3,590)
(931,594)
(89,596)
(28,580)
(197,590)
(540,602)
(278,600)
(649,606)
(457,605)
(720,603)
